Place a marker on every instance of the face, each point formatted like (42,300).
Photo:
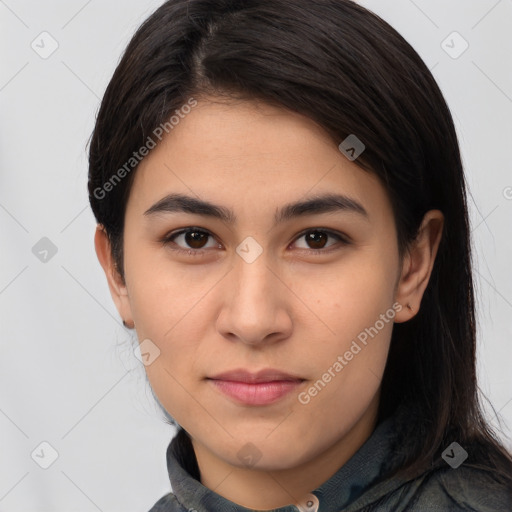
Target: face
(306,291)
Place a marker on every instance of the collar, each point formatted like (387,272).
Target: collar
(348,485)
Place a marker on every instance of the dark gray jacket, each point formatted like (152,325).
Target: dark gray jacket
(356,487)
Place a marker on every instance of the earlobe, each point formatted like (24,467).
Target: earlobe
(418,264)
(118,289)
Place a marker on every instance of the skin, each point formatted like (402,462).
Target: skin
(289,309)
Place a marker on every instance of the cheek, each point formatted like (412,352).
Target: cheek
(355,314)
(349,297)
(349,360)
(162,293)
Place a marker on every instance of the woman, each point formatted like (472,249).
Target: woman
(282,219)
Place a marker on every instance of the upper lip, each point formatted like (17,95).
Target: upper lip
(266,375)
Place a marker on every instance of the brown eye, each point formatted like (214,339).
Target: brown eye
(317,240)
(189,240)
(196,239)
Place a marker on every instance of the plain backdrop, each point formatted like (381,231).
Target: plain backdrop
(72,391)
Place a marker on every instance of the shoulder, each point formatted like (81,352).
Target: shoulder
(167,503)
(464,488)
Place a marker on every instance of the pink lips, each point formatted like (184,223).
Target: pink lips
(261,388)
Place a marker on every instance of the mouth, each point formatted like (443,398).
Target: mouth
(262,388)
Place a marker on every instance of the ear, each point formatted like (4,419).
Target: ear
(116,284)
(417,265)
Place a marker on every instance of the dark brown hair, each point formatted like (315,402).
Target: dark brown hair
(352,73)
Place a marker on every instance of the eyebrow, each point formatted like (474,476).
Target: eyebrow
(328,203)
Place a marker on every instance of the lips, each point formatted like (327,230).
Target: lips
(266,375)
(261,388)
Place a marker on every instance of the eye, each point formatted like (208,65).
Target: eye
(194,240)
(316,239)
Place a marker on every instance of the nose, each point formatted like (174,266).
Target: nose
(255,304)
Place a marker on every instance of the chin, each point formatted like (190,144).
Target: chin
(267,456)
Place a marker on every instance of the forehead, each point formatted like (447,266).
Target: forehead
(248,153)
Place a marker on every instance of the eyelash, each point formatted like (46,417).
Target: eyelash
(169,239)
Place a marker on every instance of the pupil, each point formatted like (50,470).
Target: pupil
(194,239)
(313,239)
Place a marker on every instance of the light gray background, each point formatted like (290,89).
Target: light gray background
(67,373)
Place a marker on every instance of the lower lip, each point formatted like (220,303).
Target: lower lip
(262,393)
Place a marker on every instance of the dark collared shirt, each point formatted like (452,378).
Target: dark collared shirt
(356,486)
